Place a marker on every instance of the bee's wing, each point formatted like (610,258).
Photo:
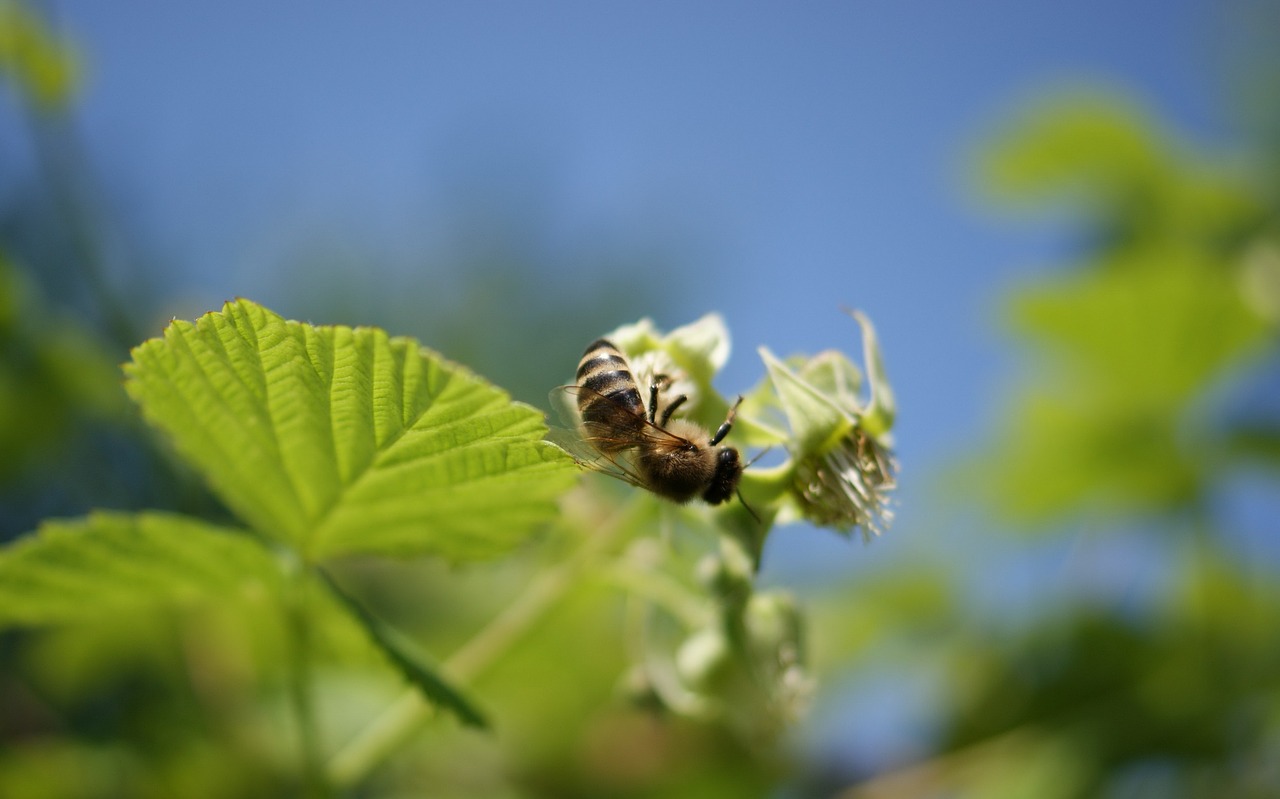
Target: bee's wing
(564,406)
(565,399)
(569,436)
(593,451)
(573,442)
(615,465)
(587,456)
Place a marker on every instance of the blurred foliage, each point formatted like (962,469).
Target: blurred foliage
(1139,410)
(1129,353)
(68,441)
(53,376)
(42,65)
(1101,157)
(1130,343)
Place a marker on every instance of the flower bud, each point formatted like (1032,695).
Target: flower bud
(773,625)
(704,659)
(843,467)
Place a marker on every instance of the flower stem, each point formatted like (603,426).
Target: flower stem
(662,590)
(407,714)
(300,684)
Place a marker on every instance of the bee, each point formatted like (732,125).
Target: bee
(674,458)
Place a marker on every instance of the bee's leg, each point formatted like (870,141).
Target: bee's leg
(670,409)
(659,382)
(728,423)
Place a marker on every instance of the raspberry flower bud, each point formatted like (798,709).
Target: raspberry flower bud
(843,469)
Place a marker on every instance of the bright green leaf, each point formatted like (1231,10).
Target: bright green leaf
(110,562)
(340,440)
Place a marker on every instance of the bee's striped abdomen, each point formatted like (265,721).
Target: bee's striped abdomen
(604,371)
(612,409)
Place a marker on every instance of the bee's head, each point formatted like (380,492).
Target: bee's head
(725,480)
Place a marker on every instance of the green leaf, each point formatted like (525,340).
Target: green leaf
(41,64)
(55,374)
(340,440)
(1057,457)
(110,562)
(406,657)
(1254,442)
(1154,329)
(1104,155)
(1097,145)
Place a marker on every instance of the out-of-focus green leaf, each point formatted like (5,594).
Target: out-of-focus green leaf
(52,374)
(1056,457)
(338,440)
(1133,347)
(1136,341)
(1011,766)
(1080,143)
(1102,153)
(851,617)
(1260,279)
(1255,442)
(409,660)
(107,563)
(41,65)
(1152,331)
(1190,686)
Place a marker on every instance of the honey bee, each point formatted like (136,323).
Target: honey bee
(674,458)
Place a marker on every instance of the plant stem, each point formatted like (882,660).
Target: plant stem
(692,609)
(406,715)
(300,682)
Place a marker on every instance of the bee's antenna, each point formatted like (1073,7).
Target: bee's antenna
(748,507)
(758,456)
